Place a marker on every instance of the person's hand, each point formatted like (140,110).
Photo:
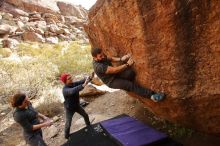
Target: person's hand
(86,81)
(91,76)
(130,62)
(125,57)
(48,122)
(45,118)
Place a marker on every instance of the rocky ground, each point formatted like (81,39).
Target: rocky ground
(100,108)
(19,23)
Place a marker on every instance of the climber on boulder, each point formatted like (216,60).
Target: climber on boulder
(122,76)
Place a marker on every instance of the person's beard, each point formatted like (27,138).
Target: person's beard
(104,58)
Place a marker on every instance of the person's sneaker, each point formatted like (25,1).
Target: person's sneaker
(157,97)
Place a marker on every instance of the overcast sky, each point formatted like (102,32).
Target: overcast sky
(85,3)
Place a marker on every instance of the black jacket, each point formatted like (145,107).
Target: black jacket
(27,118)
(71,94)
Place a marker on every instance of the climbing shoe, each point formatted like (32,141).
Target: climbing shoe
(157,97)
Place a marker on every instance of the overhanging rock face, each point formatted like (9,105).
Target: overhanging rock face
(176,48)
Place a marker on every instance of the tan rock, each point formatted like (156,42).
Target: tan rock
(42,25)
(33,37)
(72,10)
(39,31)
(61,25)
(33,19)
(51,131)
(7,16)
(50,21)
(66,31)
(52,40)
(20,24)
(77,24)
(5,29)
(63,37)
(30,28)
(62,19)
(24,19)
(90,90)
(51,18)
(14,11)
(54,28)
(97,81)
(72,36)
(9,43)
(72,19)
(35,15)
(48,34)
(48,15)
(175,47)
(18,12)
(45,6)
(19,30)
(31,14)
(55,119)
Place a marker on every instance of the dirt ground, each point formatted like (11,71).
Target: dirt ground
(105,107)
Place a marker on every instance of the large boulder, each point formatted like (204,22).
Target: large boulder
(33,37)
(9,43)
(51,18)
(72,10)
(7,16)
(9,8)
(90,91)
(175,45)
(35,5)
(52,40)
(5,29)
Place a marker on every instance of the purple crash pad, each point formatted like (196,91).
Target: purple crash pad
(131,132)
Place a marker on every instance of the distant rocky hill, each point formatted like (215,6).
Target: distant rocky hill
(42,21)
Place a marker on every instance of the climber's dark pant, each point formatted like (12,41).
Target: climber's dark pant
(69,115)
(36,140)
(125,81)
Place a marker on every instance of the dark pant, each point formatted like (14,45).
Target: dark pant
(69,115)
(36,140)
(125,81)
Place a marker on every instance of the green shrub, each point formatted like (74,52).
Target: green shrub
(38,65)
(68,57)
(31,77)
(51,105)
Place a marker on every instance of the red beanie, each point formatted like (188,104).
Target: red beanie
(63,77)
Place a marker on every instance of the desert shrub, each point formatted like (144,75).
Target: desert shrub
(51,105)
(36,66)
(50,109)
(30,76)
(75,59)
(68,57)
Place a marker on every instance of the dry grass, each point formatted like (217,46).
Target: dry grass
(50,109)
